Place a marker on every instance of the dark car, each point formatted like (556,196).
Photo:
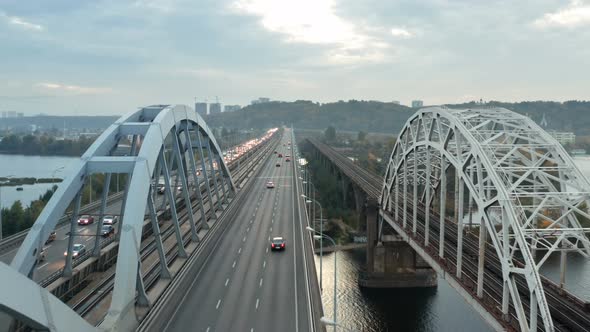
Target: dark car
(278,165)
(107,230)
(77,250)
(277,243)
(287,159)
(85,220)
(280,155)
(52,237)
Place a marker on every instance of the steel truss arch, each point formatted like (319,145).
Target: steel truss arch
(149,128)
(521,184)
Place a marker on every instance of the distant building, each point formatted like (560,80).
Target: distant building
(417,103)
(260,100)
(20,115)
(563,137)
(396,102)
(201,108)
(231,108)
(214,108)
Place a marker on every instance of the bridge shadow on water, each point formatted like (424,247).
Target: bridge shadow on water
(373,310)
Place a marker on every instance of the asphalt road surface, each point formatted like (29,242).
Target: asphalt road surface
(244,286)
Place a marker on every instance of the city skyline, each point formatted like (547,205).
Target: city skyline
(111,57)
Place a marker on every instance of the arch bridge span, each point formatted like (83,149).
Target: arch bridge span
(160,141)
(489,195)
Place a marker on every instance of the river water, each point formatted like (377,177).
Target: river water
(438,309)
(30,166)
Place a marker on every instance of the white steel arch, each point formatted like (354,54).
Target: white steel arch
(521,184)
(149,127)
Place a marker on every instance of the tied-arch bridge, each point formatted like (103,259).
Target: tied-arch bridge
(164,139)
(485,197)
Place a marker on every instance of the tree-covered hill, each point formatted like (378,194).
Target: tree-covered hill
(374,116)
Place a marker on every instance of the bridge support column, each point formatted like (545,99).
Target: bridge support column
(391,262)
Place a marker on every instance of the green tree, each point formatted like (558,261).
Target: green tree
(330,134)
(361,136)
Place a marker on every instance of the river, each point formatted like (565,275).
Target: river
(30,166)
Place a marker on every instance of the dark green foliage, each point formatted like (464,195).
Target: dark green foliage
(18,218)
(374,116)
(43,145)
(330,134)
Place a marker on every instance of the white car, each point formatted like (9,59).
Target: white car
(270,184)
(110,220)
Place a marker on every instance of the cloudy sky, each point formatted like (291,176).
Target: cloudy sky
(111,56)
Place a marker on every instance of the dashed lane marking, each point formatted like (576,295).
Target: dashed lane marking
(218,303)
(226,282)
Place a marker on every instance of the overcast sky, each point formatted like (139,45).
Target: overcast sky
(109,57)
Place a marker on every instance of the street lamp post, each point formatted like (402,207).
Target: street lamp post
(307,200)
(327,321)
(320,235)
(8,177)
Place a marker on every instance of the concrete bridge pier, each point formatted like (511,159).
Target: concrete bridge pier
(391,262)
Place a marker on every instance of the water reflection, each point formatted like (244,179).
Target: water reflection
(433,309)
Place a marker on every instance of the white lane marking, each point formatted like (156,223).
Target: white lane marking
(240,250)
(244,239)
(251,221)
(264,264)
(233,265)
(260,284)
(42,265)
(267,250)
(271,228)
(218,303)
(247,230)
(273,221)
(268,238)
(88,239)
(226,282)
(208,328)
(257,301)
(252,330)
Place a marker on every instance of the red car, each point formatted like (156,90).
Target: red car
(85,220)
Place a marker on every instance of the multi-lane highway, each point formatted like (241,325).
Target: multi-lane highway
(244,285)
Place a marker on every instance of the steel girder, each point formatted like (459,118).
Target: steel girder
(521,184)
(149,127)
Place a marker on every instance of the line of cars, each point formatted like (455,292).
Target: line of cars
(79,249)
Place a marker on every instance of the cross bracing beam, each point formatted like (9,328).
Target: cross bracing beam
(509,173)
(156,134)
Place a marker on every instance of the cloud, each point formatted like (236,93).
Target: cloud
(575,15)
(71,89)
(21,23)
(401,33)
(315,22)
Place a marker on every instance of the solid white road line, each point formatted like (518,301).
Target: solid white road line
(257,301)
